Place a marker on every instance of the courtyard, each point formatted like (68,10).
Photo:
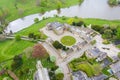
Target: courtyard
(67,38)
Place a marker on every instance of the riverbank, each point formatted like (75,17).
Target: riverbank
(114,2)
(17,9)
(37,26)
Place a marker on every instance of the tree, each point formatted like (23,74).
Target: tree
(2,37)
(20,12)
(52,58)
(38,2)
(57,45)
(108,33)
(43,4)
(80,1)
(28,52)
(59,76)
(17,37)
(70,21)
(42,10)
(59,7)
(36,20)
(119,54)
(118,33)
(17,62)
(39,51)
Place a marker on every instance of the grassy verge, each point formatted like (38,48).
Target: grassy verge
(9,48)
(19,8)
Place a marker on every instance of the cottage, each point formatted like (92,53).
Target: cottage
(79,75)
(116,69)
(100,77)
(102,56)
(96,53)
(57,27)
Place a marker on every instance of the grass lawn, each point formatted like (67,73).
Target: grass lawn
(68,40)
(35,27)
(28,7)
(9,48)
(89,66)
(89,69)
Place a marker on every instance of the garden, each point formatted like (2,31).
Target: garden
(89,66)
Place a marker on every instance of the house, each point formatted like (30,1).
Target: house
(96,53)
(106,62)
(79,46)
(102,56)
(57,27)
(42,73)
(116,69)
(79,75)
(100,77)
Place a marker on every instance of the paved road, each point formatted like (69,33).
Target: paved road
(62,63)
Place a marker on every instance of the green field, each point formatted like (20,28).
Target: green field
(18,8)
(68,40)
(9,48)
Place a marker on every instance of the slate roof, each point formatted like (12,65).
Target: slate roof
(100,77)
(115,67)
(78,76)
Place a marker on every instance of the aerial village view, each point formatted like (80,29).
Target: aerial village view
(59,39)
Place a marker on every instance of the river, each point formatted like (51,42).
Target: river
(88,9)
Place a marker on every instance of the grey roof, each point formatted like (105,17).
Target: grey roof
(56,25)
(100,77)
(115,67)
(118,75)
(95,51)
(78,76)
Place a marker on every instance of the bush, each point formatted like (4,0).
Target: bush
(59,76)
(17,37)
(17,62)
(106,42)
(119,54)
(58,45)
(34,36)
(93,42)
(36,20)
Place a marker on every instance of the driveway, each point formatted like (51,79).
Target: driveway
(113,51)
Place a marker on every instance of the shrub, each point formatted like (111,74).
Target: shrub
(58,45)
(59,76)
(36,20)
(17,62)
(119,54)
(17,37)
(106,42)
